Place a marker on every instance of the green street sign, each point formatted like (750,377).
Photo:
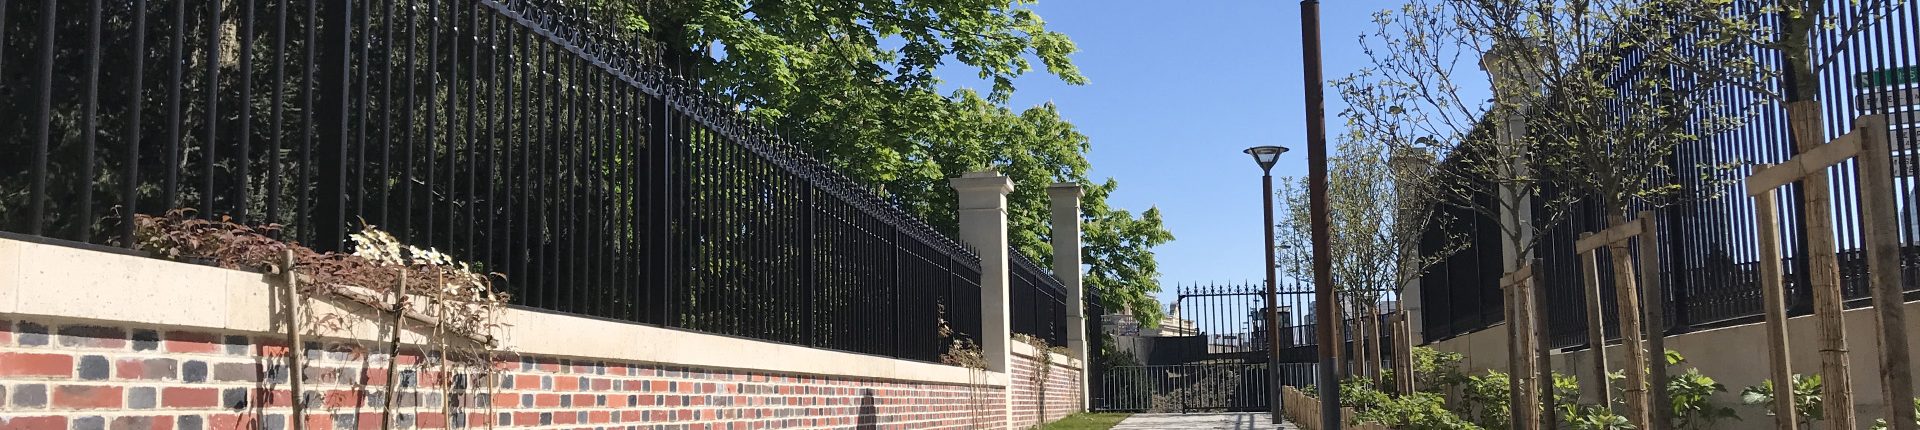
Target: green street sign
(1888,77)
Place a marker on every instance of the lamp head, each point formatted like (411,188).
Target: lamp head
(1266,155)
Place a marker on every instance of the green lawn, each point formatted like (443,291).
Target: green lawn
(1087,421)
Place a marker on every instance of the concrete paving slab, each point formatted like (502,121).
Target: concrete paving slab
(1202,421)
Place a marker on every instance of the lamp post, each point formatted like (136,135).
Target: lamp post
(1266,156)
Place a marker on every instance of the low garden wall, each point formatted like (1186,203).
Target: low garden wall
(1043,396)
(1735,357)
(92,339)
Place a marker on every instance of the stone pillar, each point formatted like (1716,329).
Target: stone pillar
(1515,84)
(983,224)
(1066,268)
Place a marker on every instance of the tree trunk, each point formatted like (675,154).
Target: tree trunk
(1804,123)
(1524,398)
(1627,301)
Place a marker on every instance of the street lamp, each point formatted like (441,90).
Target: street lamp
(1266,156)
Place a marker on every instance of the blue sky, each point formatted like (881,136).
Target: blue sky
(1177,91)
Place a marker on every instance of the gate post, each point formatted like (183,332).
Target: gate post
(983,224)
(1065,198)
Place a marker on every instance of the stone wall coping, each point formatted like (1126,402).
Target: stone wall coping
(69,282)
(1024,350)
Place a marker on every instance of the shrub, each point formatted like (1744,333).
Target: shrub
(1691,394)
(1485,398)
(1416,411)
(1806,398)
(1360,394)
(1597,418)
(1566,395)
(1436,371)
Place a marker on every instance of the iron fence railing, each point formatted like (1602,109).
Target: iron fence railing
(1038,302)
(513,133)
(1709,247)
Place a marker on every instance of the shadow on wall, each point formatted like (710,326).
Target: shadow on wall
(869,414)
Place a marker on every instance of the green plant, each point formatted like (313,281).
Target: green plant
(1485,398)
(1806,397)
(1415,411)
(1691,395)
(1597,418)
(1361,395)
(1435,370)
(1566,394)
(1881,424)
(1693,407)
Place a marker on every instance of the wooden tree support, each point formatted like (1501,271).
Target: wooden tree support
(1646,387)
(1522,341)
(1773,295)
(290,280)
(1402,353)
(1869,143)
(1596,329)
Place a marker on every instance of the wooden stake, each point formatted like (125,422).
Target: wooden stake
(1882,228)
(1341,369)
(1661,413)
(393,351)
(1596,329)
(1773,295)
(1627,299)
(1406,328)
(1374,363)
(1824,277)
(1542,357)
(295,348)
(1362,363)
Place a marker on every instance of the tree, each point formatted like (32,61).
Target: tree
(1379,205)
(856,82)
(1793,43)
(1589,97)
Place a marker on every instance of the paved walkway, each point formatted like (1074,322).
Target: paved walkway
(1199,421)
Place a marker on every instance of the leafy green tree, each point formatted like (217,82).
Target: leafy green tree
(857,83)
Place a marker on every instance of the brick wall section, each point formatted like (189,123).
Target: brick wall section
(57,375)
(1058,394)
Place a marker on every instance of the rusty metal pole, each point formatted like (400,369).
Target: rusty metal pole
(1272,313)
(1266,156)
(1317,193)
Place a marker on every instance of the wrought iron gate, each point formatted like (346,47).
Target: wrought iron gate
(1211,352)
(1228,385)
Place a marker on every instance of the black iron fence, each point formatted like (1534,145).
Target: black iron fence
(1228,322)
(1709,248)
(517,134)
(1038,301)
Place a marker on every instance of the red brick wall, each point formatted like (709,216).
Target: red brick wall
(1058,394)
(88,375)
